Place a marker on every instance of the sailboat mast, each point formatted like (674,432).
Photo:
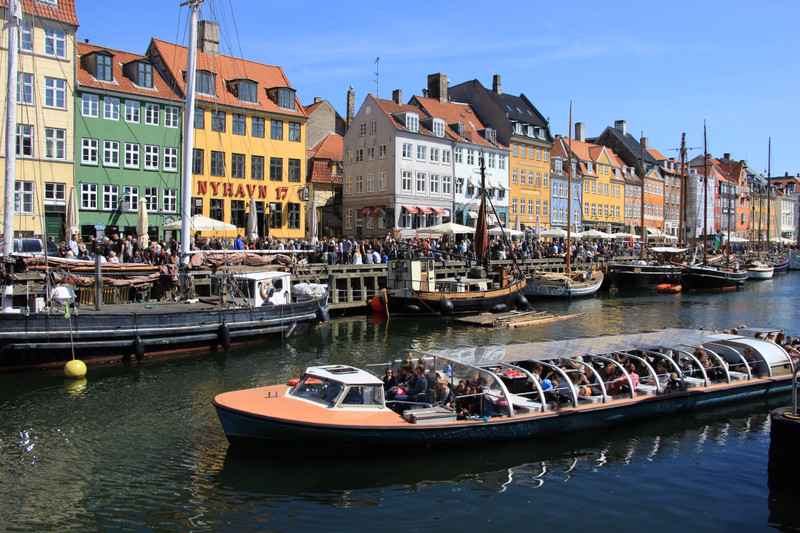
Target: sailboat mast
(644,231)
(14,21)
(569,192)
(188,130)
(682,220)
(769,199)
(705,193)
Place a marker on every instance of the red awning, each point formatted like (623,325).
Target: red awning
(411,209)
(425,210)
(364,211)
(439,211)
(376,210)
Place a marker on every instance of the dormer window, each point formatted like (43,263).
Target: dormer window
(490,135)
(412,122)
(529,131)
(558,166)
(285,99)
(103,67)
(518,128)
(438,127)
(206,83)
(245,90)
(144,74)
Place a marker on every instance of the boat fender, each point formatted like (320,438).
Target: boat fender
(499,308)
(412,309)
(267,290)
(477,272)
(522,302)
(138,348)
(289,331)
(322,315)
(224,336)
(446,306)
(376,304)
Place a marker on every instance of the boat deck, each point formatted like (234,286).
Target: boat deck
(513,319)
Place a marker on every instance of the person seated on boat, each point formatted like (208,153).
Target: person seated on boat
(443,395)
(625,386)
(330,391)
(112,257)
(748,357)
(416,392)
(402,382)
(388,379)
(581,382)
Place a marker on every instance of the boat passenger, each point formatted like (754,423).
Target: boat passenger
(417,392)
(748,356)
(388,379)
(443,395)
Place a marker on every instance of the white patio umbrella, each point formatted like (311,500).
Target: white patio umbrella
(447,227)
(595,234)
(141,226)
(200,223)
(553,233)
(498,230)
(624,235)
(72,214)
(252,220)
(313,222)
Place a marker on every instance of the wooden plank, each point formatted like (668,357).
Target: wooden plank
(513,319)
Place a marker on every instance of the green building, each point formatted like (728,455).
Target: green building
(127,143)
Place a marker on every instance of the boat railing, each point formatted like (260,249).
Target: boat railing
(671,363)
(698,365)
(723,364)
(650,370)
(531,379)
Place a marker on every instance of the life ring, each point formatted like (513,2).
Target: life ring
(267,290)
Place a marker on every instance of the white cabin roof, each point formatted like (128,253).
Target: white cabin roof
(347,375)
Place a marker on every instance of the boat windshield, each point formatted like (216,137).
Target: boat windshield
(329,392)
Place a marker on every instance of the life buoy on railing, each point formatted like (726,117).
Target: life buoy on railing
(267,290)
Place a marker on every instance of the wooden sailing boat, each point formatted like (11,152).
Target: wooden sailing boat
(567,284)
(413,287)
(760,267)
(34,332)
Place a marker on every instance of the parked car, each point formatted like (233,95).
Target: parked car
(28,246)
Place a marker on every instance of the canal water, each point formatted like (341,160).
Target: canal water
(139,447)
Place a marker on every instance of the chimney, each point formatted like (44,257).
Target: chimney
(397,96)
(496,86)
(437,87)
(317,99)
(727,155)
(580,132)
(351,106)
(645,143)
(620,126)
(208,37)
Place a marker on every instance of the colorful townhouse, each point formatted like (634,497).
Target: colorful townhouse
(471,139)
(671,174)
(249,137)
(603,183)
(127,143)
(790,188)
(398,170)
(45,115)
(559,184)
(519,125)
(738,195)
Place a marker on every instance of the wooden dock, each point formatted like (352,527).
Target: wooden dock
(513,319)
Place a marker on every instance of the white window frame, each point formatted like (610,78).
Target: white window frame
(132,154)
(55,143)
(90,105)
(88,196)
(169,199)
(133,111)
(151,156)
(110,153)
(25,89)
(55,42)
(152,114)
(110,197)
(170,159)
(89,151)
(381,181)
(131,194)
(110,108)
(55,92)
(172,116)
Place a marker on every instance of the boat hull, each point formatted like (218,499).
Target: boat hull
(760,273)
(780,267)
(245,428)
(410,302)
(546,287)
(642,277)
(712,279)
(794,260)
(124,330)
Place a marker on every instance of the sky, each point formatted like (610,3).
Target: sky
(664,67)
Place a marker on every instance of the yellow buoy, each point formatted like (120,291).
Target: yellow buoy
(75,369)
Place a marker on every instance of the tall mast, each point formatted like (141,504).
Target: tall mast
(705,193)
(644,231)
(188,130)
(569,191)
(14,22)
(769,199)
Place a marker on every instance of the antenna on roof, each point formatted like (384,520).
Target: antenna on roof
(377,77)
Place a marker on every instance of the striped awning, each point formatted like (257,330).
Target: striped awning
(425,210)
(364,211)
(439,211)
(376,210)
(411,209)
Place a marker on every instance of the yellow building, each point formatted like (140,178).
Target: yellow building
(249,138)
(45,115)
(603,186)
(530,182)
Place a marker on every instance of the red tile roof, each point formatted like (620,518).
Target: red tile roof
(64,11)
(226,68)
(453,112)
(330,147)
(121,82)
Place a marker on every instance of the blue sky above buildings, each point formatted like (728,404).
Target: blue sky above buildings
(663,67)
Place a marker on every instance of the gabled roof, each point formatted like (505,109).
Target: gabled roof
(454,112)
(392,109)
(61,11)
(330,147)
(520,109)
(310,108)
(173,57)
(626,142)
(120,82)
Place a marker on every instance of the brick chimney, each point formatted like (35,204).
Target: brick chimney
(351,106)
(437,87)
(621,126)
(397,96)
(727,155)
(496,85)
(208,37)
(317,99)
(580,132)
(645,143)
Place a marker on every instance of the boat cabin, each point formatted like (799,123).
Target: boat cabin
(339,386)
(263,288)
(419,274)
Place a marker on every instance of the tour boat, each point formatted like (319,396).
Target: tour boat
(523,390)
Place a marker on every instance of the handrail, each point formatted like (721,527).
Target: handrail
(794,389)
